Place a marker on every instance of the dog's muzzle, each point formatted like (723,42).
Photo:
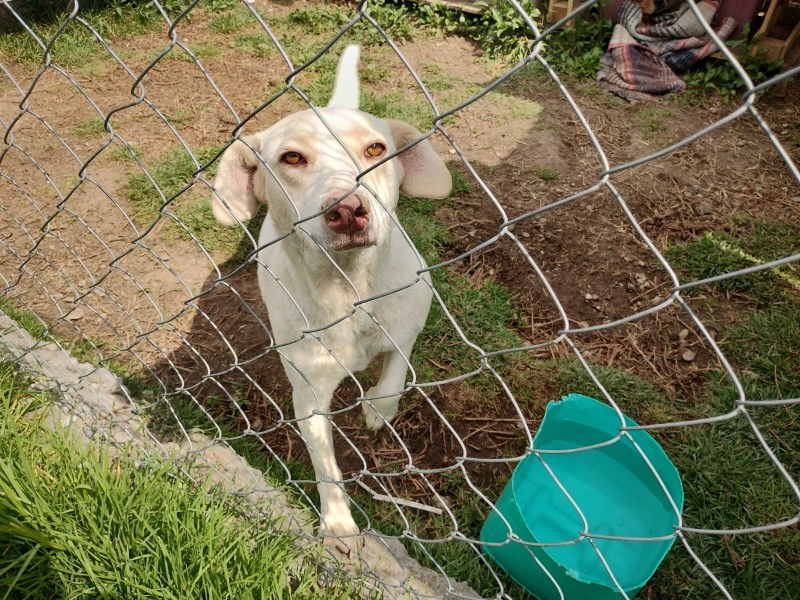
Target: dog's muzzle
(348,220)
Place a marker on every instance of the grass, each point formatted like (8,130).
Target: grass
(79,522)
(230,22)
(91,128)
(654,126)
(747,243)
(258,45)
(324,21)
(191,210)
(76,45)
(546,173)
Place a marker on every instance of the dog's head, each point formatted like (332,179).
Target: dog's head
(327,170)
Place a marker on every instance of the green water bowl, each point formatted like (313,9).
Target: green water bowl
(615,489)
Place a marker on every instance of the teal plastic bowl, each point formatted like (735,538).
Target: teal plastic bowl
(617,492)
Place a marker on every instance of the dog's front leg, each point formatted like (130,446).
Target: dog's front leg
(337,524)
(384,397)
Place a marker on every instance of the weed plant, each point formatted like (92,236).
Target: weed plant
(718,75)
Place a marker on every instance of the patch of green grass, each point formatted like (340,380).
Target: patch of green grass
(230,22)
(258,45)
(191,210)
(765,344)
(29,321)
(319,20)
(199,49)
(76,45)
(396,106)
(171,172)
(750,242)
(654,121)
(731,483)
(515,108)
(195,214)
(483,310)
(436,80)
(461,185)
(91,128)
(324,21)
(78,522)
(121,153)
(546,173)
(205,49)
(182,115)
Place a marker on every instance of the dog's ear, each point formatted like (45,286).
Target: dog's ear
(424,172)
(234,198)
(345,87)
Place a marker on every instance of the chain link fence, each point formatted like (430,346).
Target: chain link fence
(654,270)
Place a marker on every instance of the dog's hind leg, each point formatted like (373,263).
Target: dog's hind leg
(383,398)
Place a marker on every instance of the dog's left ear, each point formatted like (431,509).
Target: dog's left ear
(424,172)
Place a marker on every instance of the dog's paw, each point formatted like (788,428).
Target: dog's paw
(379,411)
(344,547)
(372,418)
(341,535)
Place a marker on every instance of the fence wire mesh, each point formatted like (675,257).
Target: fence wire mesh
(574,255)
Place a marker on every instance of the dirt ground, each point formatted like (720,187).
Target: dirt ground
(162,304)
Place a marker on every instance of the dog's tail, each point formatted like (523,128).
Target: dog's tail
(345,88)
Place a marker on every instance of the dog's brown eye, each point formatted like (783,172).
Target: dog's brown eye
(292,158)
(375,150)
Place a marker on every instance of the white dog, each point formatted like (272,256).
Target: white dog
(330,255)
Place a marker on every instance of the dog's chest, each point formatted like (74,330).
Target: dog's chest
(353,331)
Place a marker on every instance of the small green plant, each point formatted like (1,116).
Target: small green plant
(183,114)
(499,28)
(122,153)
(190,211)
(436,79)
(503,30)
(319,20)
(576,51)
(221,5)
(546,174)
(169,173)
(325,20)
(718,75)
